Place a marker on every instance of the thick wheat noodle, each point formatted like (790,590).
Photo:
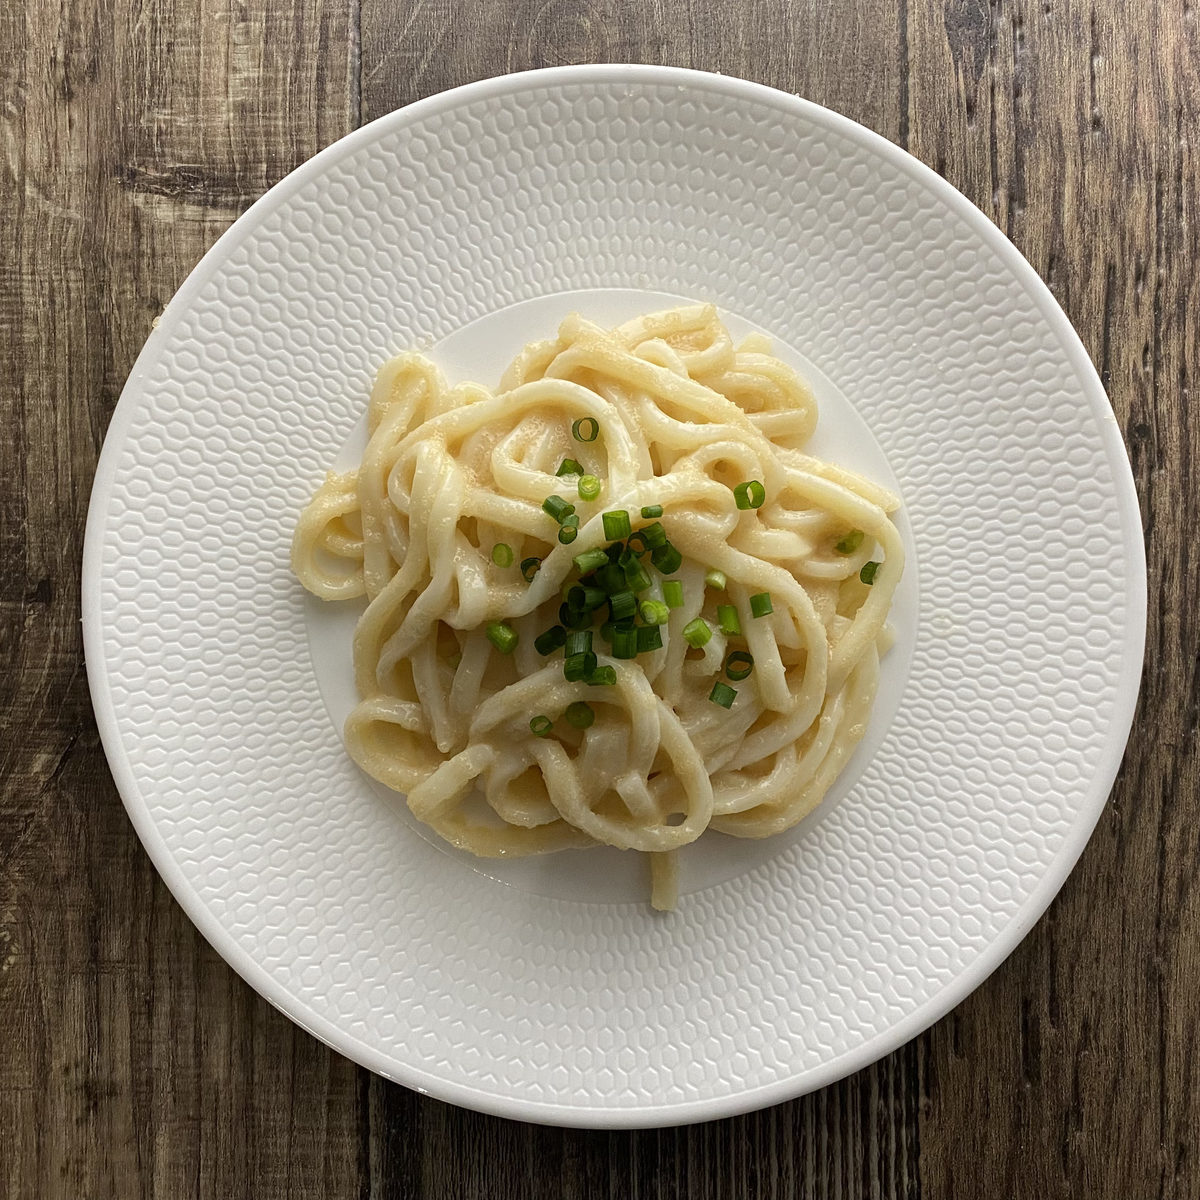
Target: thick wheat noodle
(684,415)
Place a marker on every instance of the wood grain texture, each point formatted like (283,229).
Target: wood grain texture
(133,1063)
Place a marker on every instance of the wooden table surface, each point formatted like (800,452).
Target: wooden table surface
(133,1062)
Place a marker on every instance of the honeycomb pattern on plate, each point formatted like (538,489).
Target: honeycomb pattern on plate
(1012,477)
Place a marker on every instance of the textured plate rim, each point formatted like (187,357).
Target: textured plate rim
(658,1115)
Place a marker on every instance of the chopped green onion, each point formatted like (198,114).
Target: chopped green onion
(673,593)
(728,620)
(697,633)
(529,568)
(750,494)
(611,578)
(654,612)
(654,535)
(569,466)
(760,604)
(502,636)
(589,487)
(739,664)
(580,715)
(667,559)
(579,641)
(624,643)
(573,618)
(649,637)
(550,640)
(590,560)
(615,551)
(557,507)
(849,543)
(541,725)
(602,677)
(577,667)
(636,578)
(638,544)
(723,695)
(616,524)
(650,511)
(867,574)
(502,554)
(716,579)
(585,599)
(586,429)
(622,605)
(568,531)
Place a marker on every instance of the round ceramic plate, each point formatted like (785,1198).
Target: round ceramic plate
(467,225)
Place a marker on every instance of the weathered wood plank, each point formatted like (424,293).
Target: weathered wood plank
(134,1063)
(1076,146)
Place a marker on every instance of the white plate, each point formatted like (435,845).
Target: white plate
(548,990)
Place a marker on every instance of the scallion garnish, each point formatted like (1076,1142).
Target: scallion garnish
(849,542)
(667,559)
(579,714)
(589,487)
(673,593)
(583,598)
(568,531)
(557,507)
(577,667)
(728,620)
(760,604)
(654,535)
(867,574)
(622,605)
(716,579)
(610,577)
(638,544)
(569,466)
(636,578)
(550,640)
(540,725)
(602,677)
(750,494)
(574,618)
(697,633)
(650,511)
(654,612)
(590,560)
(586,429)
(739,664)
(649,637)
(723,695)
(529,568)
(502,554)
(624,643)
(616,524)
(579,641)
(503,636)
